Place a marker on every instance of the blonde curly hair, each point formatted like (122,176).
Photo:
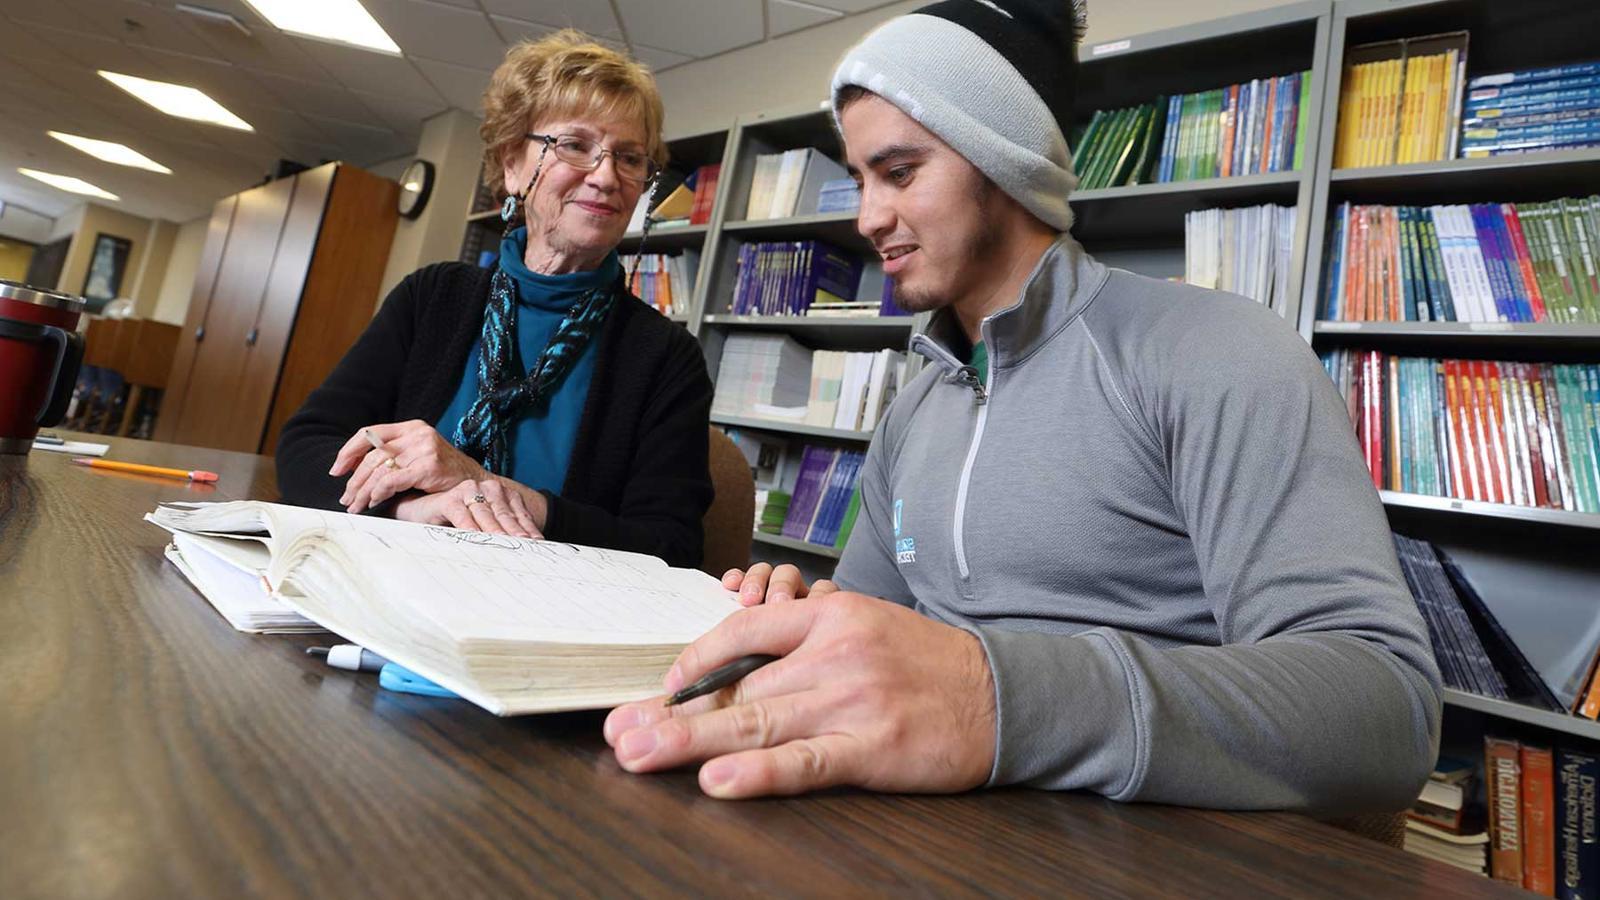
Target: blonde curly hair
(563,74)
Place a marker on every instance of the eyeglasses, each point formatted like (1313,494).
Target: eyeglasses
(586,155)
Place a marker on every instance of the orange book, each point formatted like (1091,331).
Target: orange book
(1478,422)
(1589,707)
(1538,821)
(1460,422)
(1266,131)
(1494,435)
(1503,777)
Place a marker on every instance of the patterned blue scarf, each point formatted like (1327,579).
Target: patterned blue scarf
(507,391)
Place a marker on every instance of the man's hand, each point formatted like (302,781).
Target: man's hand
(763,583)
(868,693)
(505,507)
(415,457)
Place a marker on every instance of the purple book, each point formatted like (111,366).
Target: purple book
(816,464)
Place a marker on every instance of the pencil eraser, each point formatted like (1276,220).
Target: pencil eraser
(198,475)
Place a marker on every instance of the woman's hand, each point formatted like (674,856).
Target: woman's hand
(493,505)
(415,457)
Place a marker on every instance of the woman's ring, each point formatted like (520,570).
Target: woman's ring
(389,463)
(478,498)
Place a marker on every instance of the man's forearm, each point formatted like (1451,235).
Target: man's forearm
(1323,722)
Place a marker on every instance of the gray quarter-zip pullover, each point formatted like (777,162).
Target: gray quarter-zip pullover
(1157,521)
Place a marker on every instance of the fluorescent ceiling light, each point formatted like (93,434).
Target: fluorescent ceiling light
(67,183)
(111,152)
(339,21)
(177,100)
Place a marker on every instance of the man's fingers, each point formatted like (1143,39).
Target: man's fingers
(801,765)
(774,630)
(681,740)
(821,589)
(753,589)
(786,584)
(732,578)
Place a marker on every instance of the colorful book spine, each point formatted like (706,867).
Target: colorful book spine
(1577,849)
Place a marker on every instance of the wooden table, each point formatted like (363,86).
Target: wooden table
(148,750)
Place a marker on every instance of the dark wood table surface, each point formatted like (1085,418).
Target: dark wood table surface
(149,750)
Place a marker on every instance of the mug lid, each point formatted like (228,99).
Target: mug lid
(27,293)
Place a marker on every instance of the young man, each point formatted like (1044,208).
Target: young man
(1117,536)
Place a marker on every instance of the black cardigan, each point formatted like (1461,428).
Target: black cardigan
(638,479)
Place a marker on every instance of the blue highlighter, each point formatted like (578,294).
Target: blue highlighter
(399,678)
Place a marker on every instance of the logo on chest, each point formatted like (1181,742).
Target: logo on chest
(905,548)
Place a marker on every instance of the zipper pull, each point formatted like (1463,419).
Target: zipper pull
(967,376)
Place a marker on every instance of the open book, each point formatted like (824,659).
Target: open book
(514,625)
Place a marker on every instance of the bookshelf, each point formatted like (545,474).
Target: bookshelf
(1141,227)
(778,426)
(778,540)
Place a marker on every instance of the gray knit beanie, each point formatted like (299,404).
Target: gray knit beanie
(994,79)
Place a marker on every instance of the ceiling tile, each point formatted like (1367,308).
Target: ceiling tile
(227,84)
(144,25)
(462,86)
(27,42)
(593,16)
(659,59)
(514,30)
(92,53)
(851,6)
(57,14)
(281,124)
(692,27)
(361,70)
(263,50)
(319,98)
(784,17)
(446,33)
(403,115)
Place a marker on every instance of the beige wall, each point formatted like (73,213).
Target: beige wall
(794,70)
(14,258)
(96,220)
(177,282)
(146,287)
(450,142)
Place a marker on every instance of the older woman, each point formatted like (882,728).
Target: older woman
(539,398)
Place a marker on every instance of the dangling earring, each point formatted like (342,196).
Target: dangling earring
(508,209)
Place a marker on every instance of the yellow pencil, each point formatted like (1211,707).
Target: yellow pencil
(139,468)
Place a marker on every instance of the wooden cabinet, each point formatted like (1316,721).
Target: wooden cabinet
(287,281)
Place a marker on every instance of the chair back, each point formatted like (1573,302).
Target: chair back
(731,518)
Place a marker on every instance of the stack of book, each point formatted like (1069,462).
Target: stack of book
(1463,661)
(785,278)
(825,501)
(1400,101)
(1242,129)
(850,391)
(662,281)
(1437,825)
(790,183)
(1485,262)
(688,203)
(1555,108)
(839,195)
(761,372)
(1118,146)
(772,510)
(1541,811)
(1247,251)
(1499,432)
